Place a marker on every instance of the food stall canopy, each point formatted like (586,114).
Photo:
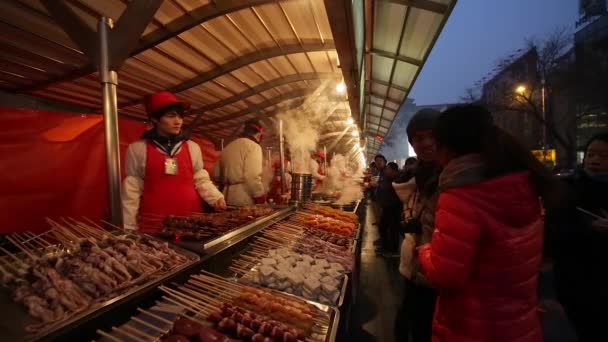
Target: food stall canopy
(404,32)
(232,59)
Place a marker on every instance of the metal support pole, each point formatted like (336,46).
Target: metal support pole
(544,111)
(282,156)
(109,80)
(222,142)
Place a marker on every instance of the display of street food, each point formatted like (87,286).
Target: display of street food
(331,212)
(76,264)
(208,226)
(215,309)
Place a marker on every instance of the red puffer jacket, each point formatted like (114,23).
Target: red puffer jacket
(484,259)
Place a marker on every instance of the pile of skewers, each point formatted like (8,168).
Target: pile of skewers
(215,309)
(205,226)
(75,265)
(324,223)
(331,212)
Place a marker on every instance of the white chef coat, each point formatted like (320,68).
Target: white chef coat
(240,170)
(135,169)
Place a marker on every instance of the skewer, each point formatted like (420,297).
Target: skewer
(106,335)
(223,292)
(31,238)
(98,229)
(151,326)
(193,308)
(125,333)
(162,319)
(113,225)
(181,296)
(14,257)
(187,308)
(139,332)
(23,248)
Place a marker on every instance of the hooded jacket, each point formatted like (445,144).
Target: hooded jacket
(485,255)
(135,170)
(240,170)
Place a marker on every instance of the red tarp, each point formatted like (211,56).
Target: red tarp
(52,164)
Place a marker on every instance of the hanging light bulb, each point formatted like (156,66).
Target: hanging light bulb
(341,87)
(350,121)
(355,133)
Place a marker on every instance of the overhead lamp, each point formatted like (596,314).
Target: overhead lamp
(341,87)
(520,89)
(355,133)
(350,120)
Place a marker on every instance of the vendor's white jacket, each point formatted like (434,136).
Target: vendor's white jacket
(135,169)
(240,170)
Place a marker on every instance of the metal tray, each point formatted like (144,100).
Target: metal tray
(14,318)
(171,312)
(244,279)
(212,247)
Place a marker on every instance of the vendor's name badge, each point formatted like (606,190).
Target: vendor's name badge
(171,166)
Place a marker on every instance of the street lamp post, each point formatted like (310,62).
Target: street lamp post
(543,94)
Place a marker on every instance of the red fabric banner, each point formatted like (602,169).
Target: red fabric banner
(53,165)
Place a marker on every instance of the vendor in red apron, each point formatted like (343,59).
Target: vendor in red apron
(317,169)
(164,170)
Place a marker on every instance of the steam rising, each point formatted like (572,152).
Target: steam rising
(301,127)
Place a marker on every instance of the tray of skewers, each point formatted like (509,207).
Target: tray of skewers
(211,308)
(75,268)
(207,226)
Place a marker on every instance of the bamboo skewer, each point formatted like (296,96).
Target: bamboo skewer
(125,333)
(139,332)
(151,314)
(179,295)
(192,307)
(151,326)
(24,249)
(188,308)
(106,335)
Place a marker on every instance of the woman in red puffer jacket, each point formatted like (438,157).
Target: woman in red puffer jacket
(486,250)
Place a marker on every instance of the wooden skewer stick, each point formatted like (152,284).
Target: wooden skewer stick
(39,241)
(194,308)
(151,326)
(220,292)
(106,335)
(151,314)
(24,249)
(232,287)
(113,225)
(14,257)
(125,333)
(180,296)
(196,294)
(139,332)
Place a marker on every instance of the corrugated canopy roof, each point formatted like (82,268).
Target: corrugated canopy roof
(404,32)
(232,59)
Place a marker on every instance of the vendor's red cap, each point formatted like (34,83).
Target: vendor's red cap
(162,99)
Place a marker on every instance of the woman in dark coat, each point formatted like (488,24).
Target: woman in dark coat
(578,241)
